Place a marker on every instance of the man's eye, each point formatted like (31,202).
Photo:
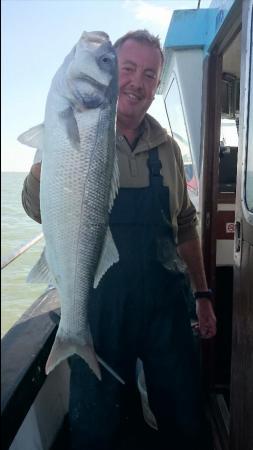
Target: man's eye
(127,69)
(151,76)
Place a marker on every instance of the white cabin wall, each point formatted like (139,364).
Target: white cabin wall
(187,67)
(190,75)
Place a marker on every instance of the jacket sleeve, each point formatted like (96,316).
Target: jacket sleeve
(187,224)
(31,197)
(187,218)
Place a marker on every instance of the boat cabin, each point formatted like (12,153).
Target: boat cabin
(207,91)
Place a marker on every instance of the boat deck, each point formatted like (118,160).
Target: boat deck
(133,438)
(135,434)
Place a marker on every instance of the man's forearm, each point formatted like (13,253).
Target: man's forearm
(35,170)
(191,253)
(31,193)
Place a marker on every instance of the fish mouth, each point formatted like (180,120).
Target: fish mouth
(94,83)
(82,98)
(96,37)
(103,94)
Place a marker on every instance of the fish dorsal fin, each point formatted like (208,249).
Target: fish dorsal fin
(109,256)
(40,273)
(33,137)
(115,182)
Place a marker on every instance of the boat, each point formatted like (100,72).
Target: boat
(207,88)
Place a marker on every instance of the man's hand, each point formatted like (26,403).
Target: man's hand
(35,169)
(207,319)
(191,253)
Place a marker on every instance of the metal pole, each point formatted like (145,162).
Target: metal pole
(20,251)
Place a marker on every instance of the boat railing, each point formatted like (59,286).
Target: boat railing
(18,252)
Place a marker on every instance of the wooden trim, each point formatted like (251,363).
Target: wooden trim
(226,197)
(210,166)
(229,29)
(209,188)
(25,349)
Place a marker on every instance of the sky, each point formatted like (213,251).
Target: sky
(36,35)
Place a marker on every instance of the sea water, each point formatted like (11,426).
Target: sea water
(17,229)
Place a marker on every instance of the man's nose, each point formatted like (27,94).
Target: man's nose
(137,79)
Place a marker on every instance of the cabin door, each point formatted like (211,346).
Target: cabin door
(241,410)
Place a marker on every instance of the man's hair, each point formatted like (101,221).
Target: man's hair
(143,36)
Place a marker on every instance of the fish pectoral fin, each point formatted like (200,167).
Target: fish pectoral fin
(40,273)
(33,137)
(64,348)
(68,118)
(109,256)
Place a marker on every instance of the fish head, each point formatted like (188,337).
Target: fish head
(91,75)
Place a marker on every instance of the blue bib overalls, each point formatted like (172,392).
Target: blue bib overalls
(140,310)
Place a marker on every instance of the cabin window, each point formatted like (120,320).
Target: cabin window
(237,97)
(227,169)
(249,161)
(175,115)
(226,97)
(230,95)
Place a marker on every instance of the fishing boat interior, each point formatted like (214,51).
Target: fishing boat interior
(207,91)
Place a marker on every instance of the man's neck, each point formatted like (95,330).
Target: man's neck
(129,130)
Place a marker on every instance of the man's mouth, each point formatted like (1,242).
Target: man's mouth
(133,97)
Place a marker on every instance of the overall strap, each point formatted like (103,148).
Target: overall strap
(154,165)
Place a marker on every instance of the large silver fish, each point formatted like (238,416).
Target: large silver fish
(79,181)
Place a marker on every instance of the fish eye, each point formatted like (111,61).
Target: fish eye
(105,62)
(105,59)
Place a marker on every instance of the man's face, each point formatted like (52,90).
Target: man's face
(139,73)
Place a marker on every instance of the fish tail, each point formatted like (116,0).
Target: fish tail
(62,350)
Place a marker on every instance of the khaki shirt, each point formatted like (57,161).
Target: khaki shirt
(134,173)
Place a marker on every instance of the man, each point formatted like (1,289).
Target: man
(140,306)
